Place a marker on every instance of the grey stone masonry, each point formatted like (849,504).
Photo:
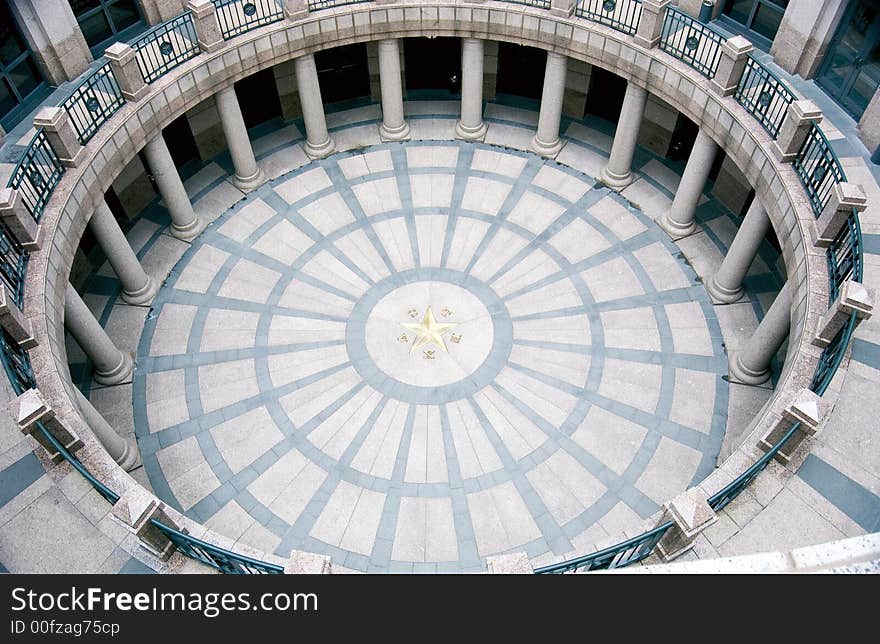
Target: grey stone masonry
(691,515)
(731,65)
(798,119)
(123,63)
(60,135)
(296,9)
(855,298)
(136,508)
(307,563)
(651,22)
(207,27)
(31,408)
(20,222)
(515,563)
(808,409)
(15,323)
(845,197)
(564,8)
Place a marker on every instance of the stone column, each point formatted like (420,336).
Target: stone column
(120,449)
(546,141)
(318,142)
(248,175)
(393,127)
(678,221)
(185,224)
(470,126)
(725,286)
(751,364)
(112,366)
(617,173)
(137,287)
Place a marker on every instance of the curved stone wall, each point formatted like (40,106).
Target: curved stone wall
(126,132)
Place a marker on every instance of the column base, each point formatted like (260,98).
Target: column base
(131,457)
(188,232)
(739,373)
(615,181)
(389,135)
(251,183)
(549,150)
(674,229)
(320,150)
(467,133)
(120,373)
(721,294)
(143,296)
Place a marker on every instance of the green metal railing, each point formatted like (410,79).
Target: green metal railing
(764,96)
(622,15)
(36,174)
(691,41)
(845,256)
(17,364)
(95,100)
(818,168)
(832,356)
(13,264)
(166,46)
(240,16)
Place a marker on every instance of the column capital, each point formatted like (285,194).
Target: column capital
(515,563)
(845,198)
(124,65)
(854,298)
(734,54)
(651,22)
(799,118)
(60,134)
(691,515)
(204,15)
(20,222)
(308,563)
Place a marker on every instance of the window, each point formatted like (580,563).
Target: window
(20,79)
(760,18)
(104,21)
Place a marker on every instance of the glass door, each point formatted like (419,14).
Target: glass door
(850,72)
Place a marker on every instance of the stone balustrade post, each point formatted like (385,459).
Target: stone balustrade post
(563,8)
(124,65)
(136,508)
(296,9)
(13,321)
(307,563)
(799,118)
(690,514)
(60,134)
(19,221)
(854,297)
(651,23)
(734,54)
(845,197)
(808,409)
(204,16)
(29,409)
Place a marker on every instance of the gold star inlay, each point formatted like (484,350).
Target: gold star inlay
(428,331)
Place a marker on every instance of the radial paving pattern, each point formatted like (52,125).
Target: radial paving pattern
(414,356)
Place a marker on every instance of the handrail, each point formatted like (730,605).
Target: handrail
(764,96)
(94,101)
(621,15)
(166,46)
(13,265)
(691,41)
(39,170)
(240,16)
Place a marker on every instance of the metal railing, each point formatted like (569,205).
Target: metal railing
(845,256)
(95,100)
(691,41)
(622,15)
(764,96)
(166,46)
(240,16)
(223,560)
(16,363)
(818,168)
(36,174)
(13,264)
(618,556)
(832,356)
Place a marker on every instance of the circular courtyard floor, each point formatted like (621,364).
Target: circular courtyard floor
(412,356)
